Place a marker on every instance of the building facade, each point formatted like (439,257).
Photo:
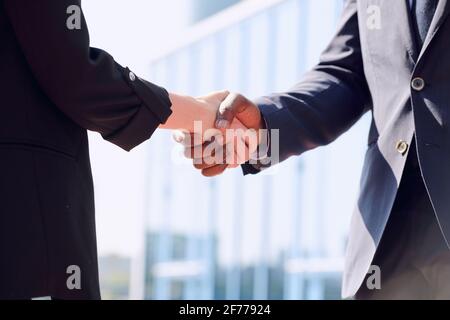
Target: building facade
(202,9)
(281,235)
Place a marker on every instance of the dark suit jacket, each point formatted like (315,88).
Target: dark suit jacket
(373,64)
(53,88)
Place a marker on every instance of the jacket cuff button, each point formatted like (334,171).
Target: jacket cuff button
(132,76)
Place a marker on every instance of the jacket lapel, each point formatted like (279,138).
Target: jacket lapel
(402,14)
(442,12)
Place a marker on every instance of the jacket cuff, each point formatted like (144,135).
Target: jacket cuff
(138,130)
(272,114)
(267,108)
(154,110)
(154,98)
(248,169)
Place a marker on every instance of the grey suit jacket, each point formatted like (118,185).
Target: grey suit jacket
(373,65)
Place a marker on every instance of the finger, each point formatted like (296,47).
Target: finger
(194,152)
(238,148)
(206,150)
(197,152)
(179,136)
(217,96)
(218,157)
(221,95)
(233,154)
(242,155)
(214,171)
(187,139)
(203,166)
(237,158)
(212,135)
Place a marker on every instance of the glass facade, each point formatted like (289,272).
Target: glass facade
(281,235)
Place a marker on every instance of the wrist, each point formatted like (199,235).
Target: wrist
(186,111)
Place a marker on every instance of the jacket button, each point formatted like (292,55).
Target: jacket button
(402,147)
(132,76)
(418,84)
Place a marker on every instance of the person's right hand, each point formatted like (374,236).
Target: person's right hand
(193,114)
(234,109)
(236,106)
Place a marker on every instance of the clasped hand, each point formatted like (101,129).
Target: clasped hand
(218,131)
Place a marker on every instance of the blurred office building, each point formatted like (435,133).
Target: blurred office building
(114,277)
(202,9)
(281,235)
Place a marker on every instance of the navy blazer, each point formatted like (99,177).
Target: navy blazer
(374,65)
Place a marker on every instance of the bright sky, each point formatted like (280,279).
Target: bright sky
(132,31)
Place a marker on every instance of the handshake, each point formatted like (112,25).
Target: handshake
(219,131)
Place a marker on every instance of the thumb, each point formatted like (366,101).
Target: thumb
(232,105)
(222,95)
(215,97)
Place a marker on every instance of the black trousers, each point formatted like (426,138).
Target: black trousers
(413,256)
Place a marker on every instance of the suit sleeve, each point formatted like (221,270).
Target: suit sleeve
(327,101)
(85,83)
